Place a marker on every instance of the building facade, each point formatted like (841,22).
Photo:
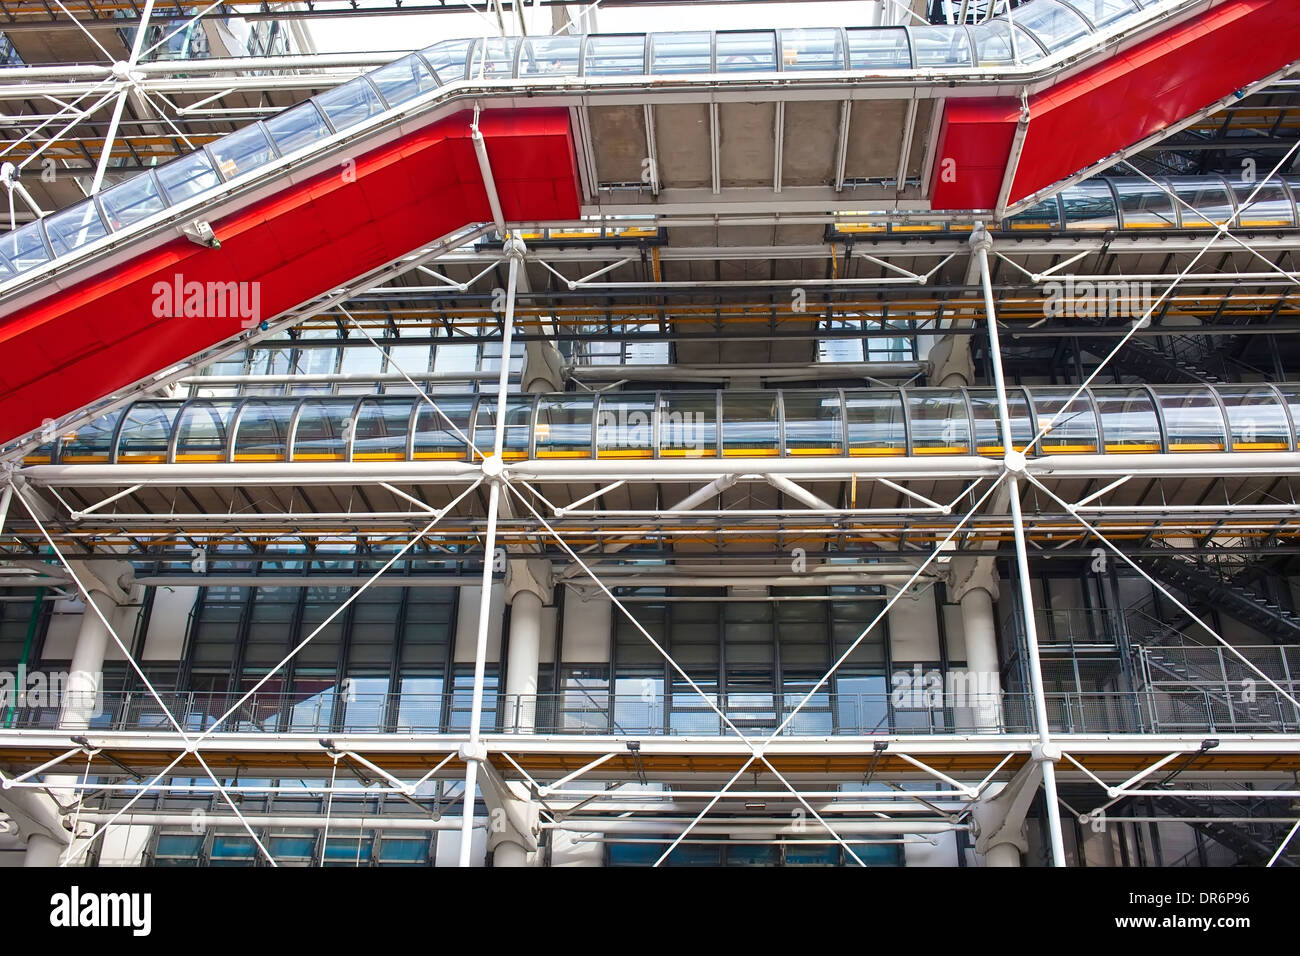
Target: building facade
(868,444)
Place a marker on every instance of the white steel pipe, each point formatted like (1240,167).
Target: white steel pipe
(303,821)
(1013,462)
(473,750)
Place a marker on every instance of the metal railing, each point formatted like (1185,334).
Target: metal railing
(1154,710)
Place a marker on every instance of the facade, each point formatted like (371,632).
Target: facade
(869,444)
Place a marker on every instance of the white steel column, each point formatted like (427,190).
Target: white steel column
(528,589)
(522,657)
(979,628)
(1004,854)
(1014,462)
(87,669)
(42,850)
(474,752)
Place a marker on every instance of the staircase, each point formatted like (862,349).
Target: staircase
(1177,359)
(1254,844)
(1240,602)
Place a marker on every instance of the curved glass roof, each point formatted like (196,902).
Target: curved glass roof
(1031,32)
(880,422)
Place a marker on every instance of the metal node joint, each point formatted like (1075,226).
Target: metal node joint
(494,469)
(1048,752)
(473,751)
(200,233)
(514,248)
(980,240)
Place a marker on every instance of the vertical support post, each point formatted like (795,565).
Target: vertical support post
(522,658)
(493,473)
(42,850)
(1014,462)
(982,656)
(87,668)
(123,72)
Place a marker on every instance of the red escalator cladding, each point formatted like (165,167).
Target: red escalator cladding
(84,343)
(1120,102)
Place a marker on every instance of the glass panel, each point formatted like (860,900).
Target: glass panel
(448,59)
(129,202)
(146,432)
(681,52)
(1290,394)
(420,707)
(812,49)
(1209,198)
(988,429)
(322,424)
(1055,25)
(515,444)
(550,56)
(1128,420)
(993,44)
(614,54)
(263,431)
(241,151)
(879,49)
(203,429)
(1090,205)
(352,103)
(25,247)
(564,427)
(1143,205)
(404,80)
(1270,207)
(750,425)
(1192,417)
(188,176)
(1104,12)
(92,442)
(746,52)
(623,426)
(1256,418)
(380,434)
(496,58)
(875,423)
(813,424)
(435,436)
(295,128)
(1043,215)
(1071,429)
(941,46)
(688,426)
(939,420)
(74,227)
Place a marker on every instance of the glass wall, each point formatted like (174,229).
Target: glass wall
(691,424)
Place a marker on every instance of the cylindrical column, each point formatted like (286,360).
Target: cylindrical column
(1004,854)
(522,658)
(984,683)
(42,851)
(81,692)
(509,854)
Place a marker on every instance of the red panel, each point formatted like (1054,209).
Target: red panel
(78,346)
(1100,111)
